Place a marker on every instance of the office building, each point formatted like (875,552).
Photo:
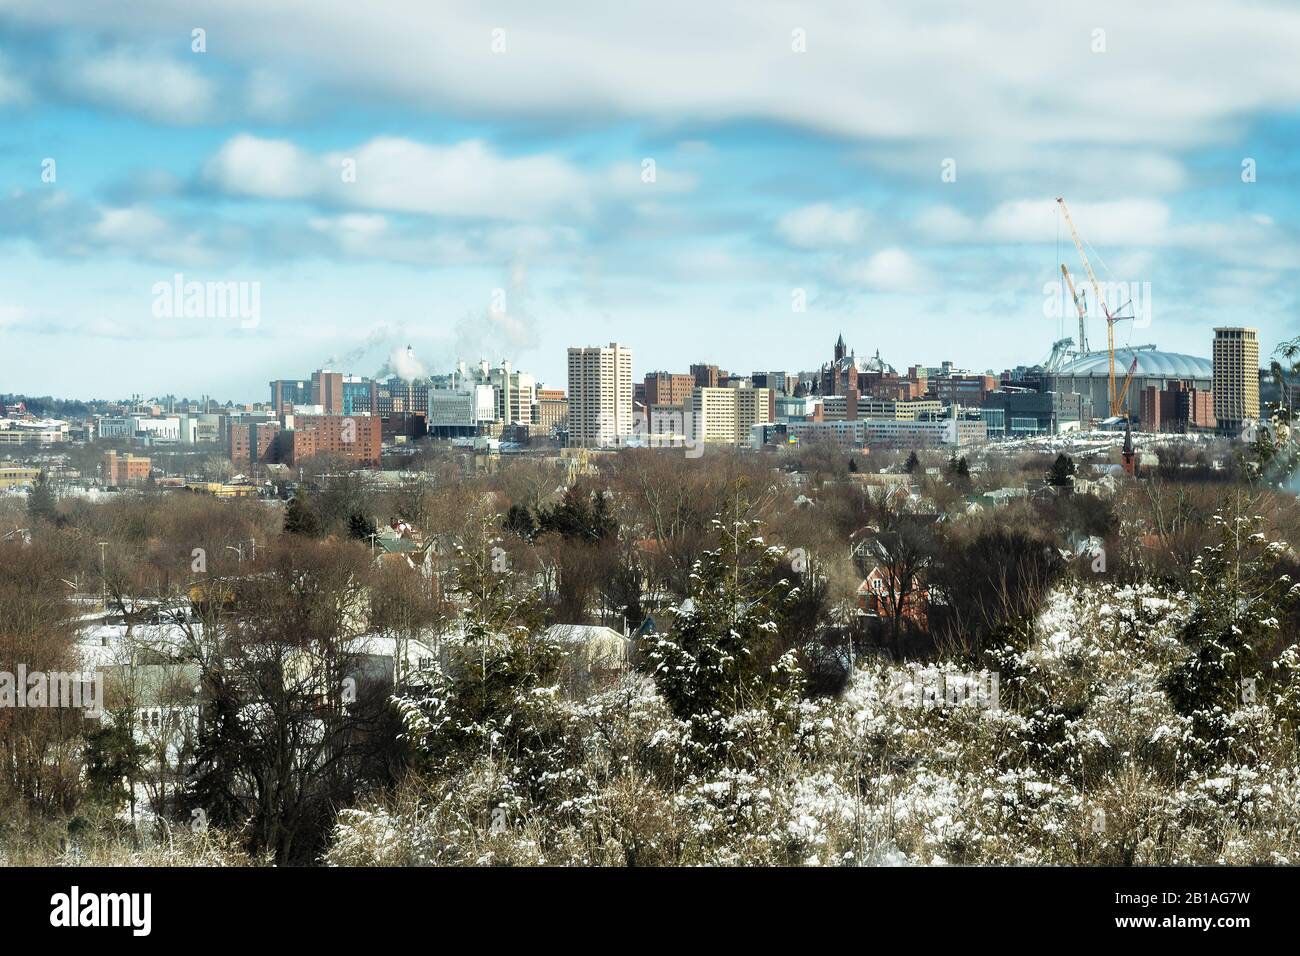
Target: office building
(1236,377)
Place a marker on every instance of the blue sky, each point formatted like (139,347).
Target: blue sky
(501,208)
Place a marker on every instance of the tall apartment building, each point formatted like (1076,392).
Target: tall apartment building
(251,442)
(297,438)
(600,396)
(355,439)
(1236,376)
(327,391)
(726,415)
(668,388)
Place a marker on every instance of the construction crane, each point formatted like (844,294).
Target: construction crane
(1128,380)
(1096,289)
(1080,303)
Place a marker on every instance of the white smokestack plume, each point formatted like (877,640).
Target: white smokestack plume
(405,365)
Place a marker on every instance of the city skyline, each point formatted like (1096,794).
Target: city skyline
(517,198)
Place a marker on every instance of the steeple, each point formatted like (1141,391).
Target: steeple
(840,349)
(1128,457)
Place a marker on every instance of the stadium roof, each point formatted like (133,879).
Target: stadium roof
(1151,363)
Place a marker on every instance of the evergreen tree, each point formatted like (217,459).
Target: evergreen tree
(913,463)
(1238,600)
(299,516)
(1063,470)
(484,702)
(41,501)
(360,527)
(723,654)
(113,755)
(520,522)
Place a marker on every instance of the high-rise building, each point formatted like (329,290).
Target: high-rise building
(516,394)
(358,395)
(286,393)
(1236,376)
(667,388)
(726,415)
(600,396)
(327,391)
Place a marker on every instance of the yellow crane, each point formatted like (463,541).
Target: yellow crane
(1096,290)
(1128,380)
(1082,305)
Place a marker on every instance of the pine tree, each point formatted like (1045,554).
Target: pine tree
(913,463)
(360,527)
(1238,600)
(41,501)
(1063,470)
(112,755)
(299,516)
(723,654)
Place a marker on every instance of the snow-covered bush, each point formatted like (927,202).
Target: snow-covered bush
(1083,742)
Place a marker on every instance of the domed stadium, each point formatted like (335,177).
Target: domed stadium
(1088,374)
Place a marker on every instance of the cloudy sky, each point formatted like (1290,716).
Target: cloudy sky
(724,182)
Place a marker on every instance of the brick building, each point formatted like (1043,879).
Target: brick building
(123,470)
(668,388)
(297,438)
(1179,408)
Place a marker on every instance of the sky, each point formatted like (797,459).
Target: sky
(735,183)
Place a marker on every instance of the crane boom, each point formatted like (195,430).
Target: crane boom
(1123,395)
(1082,306)
(1096,289)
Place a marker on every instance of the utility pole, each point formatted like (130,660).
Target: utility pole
(103,576)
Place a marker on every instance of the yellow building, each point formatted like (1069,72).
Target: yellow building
(726,415)
(12,476)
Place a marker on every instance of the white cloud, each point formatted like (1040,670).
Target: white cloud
(948,74)
(394,174)
(821,225)
(264,169)
(155,87)
(891,270)
(1119,222)
(943,224)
